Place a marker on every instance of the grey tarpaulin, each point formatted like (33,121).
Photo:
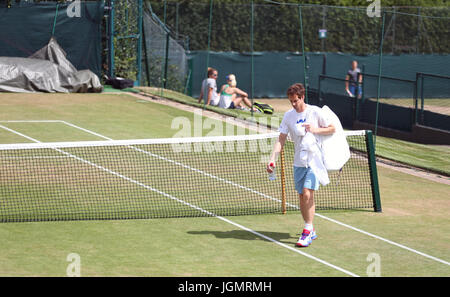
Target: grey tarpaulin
(47,70)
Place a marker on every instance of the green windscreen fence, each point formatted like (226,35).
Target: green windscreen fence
(264,42)
(267,67)
(267,45)
(27,27)
(397,80)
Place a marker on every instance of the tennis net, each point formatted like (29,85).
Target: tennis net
(161,178)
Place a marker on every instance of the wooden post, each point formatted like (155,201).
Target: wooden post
(283,183)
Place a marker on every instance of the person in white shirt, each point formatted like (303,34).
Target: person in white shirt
(208,93)
(301,119)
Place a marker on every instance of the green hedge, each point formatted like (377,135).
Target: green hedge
(276,27)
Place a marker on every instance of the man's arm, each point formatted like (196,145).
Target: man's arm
(209,96)
(276,151)
(359,92)
(321,131)
(201,96)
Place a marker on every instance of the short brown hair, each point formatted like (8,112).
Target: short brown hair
(296,89)
(211,71)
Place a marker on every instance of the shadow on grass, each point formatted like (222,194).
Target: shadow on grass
(244,235)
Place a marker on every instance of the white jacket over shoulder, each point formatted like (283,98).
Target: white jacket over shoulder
(335,149)
(311,154)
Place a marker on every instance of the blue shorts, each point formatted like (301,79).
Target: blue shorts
(353,90)
(305,178)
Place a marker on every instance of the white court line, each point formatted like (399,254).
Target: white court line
(193,206)
(321,216)
(85,130)
(20,134)
(33,121)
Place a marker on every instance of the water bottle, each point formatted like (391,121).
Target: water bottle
(272,176)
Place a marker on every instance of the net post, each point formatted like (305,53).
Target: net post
(373,171)
(283,182)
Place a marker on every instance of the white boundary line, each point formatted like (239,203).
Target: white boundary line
(20,134)
(33,121)
(192,205)
(384,239)
(318,215)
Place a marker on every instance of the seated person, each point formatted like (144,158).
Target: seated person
(209,89)
(233,97)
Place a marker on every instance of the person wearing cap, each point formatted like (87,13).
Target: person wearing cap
(232,97)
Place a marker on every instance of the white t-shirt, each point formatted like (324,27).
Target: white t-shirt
(293,122)
(210,83)
(225,101)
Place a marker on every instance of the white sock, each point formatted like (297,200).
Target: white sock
(309,227)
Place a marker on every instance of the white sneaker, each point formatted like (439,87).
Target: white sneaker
(306,238)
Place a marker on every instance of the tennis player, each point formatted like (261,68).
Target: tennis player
(301,119)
